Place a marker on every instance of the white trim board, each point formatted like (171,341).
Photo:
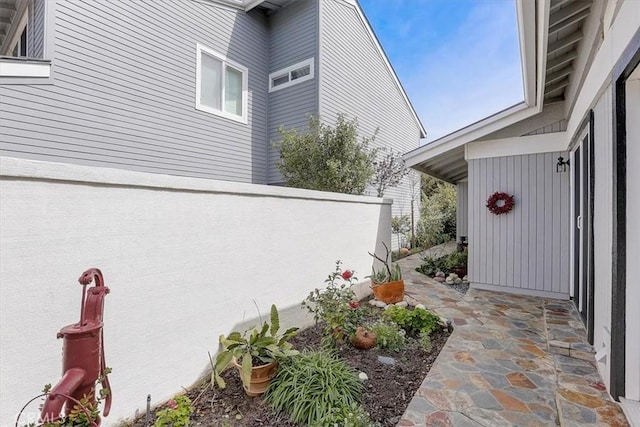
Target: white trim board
(16,168)
(519,291)
(532,144)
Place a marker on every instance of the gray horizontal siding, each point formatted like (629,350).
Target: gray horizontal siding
(293,38)
(355,80)
(528,248)
(124,92)
(35,30)
(462,210)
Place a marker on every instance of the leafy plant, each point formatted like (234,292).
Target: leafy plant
(415,321)
(352,415)
(389,335)
(327,158)
(336,305)
(86,412)
(389,170)
(176,414)
(309,385)
(425,341)
(390,272)
(430,266)
(260,346)
(457,260)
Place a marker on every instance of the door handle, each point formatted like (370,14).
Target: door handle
(579,222)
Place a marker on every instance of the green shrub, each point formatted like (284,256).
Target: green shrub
(457,260)
(353,415)
(430,266)
(176,414)
(414,322)
(389,335)
(309,385)
(327,158)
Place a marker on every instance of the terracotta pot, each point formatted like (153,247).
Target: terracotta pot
(389,292)
(260,377)
(363,339)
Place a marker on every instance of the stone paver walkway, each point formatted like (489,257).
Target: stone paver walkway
(510,361)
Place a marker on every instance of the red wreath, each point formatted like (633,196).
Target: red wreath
(506,206)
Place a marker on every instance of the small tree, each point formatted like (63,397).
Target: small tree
(326,158)
(400,225)
(389,171)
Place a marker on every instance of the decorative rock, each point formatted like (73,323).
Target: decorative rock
(404,251)
(380,304)
(465,278)
(387,360)
(457,281)
(439,279)
(421,307)
(388,306)
(363,377)
(402,304)
(440,274)
(373,302)
(452,276)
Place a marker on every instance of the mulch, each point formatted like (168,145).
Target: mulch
(388,390)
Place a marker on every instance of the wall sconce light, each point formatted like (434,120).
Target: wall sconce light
(562,164)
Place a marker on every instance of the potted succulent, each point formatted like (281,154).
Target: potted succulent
(255,353)
(386,283)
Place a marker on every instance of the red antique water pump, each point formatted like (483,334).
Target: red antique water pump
(83,361)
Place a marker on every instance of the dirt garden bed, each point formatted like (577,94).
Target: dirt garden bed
(387,391)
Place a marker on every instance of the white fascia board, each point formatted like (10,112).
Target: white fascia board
(250,4)
(624,27)
(470,133)
(542,38)
(518,146)
(385,59)
(25,69)
(526,12)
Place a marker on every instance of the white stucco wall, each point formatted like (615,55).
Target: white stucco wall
(185,260)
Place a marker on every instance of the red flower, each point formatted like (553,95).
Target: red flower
(354,304)
(172,404)
(347,274)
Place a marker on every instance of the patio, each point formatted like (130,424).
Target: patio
(511,361)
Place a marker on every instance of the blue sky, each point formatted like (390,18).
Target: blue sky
(458,60)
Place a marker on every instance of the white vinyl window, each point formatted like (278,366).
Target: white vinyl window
(221,85)
(297,73)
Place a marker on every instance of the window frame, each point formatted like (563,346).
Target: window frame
(226,63)
(287,72)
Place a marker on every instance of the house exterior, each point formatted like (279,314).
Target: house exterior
(570,155)
(192,88)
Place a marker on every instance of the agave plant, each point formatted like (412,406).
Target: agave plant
(256,345)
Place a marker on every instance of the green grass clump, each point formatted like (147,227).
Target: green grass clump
(309,386)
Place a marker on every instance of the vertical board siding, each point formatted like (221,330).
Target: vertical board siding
(35,30)
(602,218)
(293,38)
(355,80)
(123,94)
(462,210)
(525,248)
